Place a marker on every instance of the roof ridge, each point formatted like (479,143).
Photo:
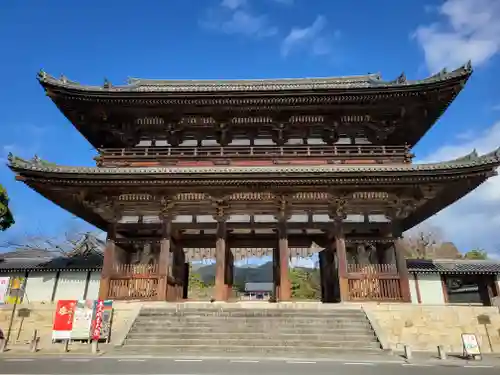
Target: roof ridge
(371,80)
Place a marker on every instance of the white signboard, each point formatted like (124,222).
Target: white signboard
(4,288)
(471,346)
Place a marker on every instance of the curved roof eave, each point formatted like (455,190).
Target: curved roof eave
(471,161)
(140,86)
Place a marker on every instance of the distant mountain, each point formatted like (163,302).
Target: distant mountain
(242,275)
(262,273)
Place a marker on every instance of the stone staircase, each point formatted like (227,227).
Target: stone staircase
(250,332)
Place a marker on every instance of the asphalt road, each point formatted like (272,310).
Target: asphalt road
(167,366)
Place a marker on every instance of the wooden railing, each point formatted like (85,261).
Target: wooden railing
(372,268)
(135,270)
(141,156)
(374,282)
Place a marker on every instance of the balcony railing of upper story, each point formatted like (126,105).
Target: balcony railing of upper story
(253,155)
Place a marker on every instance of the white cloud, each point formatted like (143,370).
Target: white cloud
(474,221)
(468,30)
(496,107)
(236,17)
(233,4)
(312,38)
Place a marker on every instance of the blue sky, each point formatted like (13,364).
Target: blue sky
(200,39)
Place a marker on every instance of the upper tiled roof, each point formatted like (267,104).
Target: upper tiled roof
(458,266)
(470,160)
(294,84)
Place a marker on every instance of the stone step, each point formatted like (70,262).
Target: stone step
(253,313)
(245,341)
(174,336)
(245,330)
(246,351)
(264,324)
(250,320)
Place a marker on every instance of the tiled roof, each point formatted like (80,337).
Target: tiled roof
(202,86)
(467,161)
(74,263)
(459,266)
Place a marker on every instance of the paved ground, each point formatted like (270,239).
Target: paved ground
(58,365)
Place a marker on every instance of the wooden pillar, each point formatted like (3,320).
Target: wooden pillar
(185,290)
(342,261)
(220,261)
(164,259)
(284,256)
(229,273)
(402,270)
(181,268)
(108,263)
(276,273)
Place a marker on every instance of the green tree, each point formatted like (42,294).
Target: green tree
(304,284)
(6,217)
(476,254)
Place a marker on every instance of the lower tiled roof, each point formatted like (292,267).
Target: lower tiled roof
(452,266)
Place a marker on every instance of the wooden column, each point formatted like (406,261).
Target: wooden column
(402,270)
(220,261)
(284,256)
(164,259)
(276,273)
(342,260)
(108,262)
(229,273)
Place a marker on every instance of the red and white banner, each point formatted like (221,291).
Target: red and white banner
(97,322)
(63,320)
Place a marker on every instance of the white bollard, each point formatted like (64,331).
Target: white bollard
(95,346)
(34,342)
(407,351)
(441,352)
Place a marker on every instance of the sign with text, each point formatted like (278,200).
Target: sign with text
(4,288)
(97,319)
(470,344)
(82,320)
(63,320)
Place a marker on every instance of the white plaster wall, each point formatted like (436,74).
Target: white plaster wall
(93,288)
(71,285)
(498,282)
(431,289)
(413,290)
(40,286)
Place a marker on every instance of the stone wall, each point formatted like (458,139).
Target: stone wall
(426,327)
(41,318)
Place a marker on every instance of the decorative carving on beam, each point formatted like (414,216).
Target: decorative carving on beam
(107,207)
(252,196)
(190,197)
(379,131)
(283,208)
(371,195)
(337,206)
(310,196)
(223,133)
(280,134)
(330,134)
(139,197)
(221,207)
(167,204)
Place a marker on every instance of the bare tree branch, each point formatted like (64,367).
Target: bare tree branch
(65,244)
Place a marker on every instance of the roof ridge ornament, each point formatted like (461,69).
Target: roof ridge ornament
(402,78)
(107,84)
(42,75)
